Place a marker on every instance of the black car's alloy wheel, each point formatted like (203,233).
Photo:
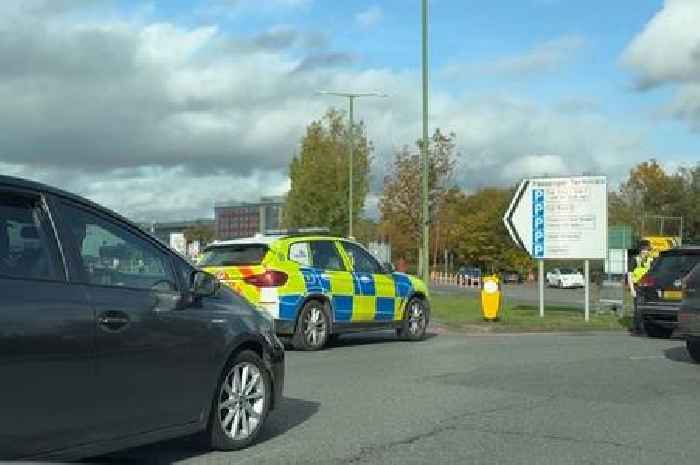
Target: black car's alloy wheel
(241,404)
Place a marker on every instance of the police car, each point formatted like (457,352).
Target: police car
(316,286)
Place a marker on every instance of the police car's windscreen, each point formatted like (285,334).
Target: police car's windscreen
(233,255)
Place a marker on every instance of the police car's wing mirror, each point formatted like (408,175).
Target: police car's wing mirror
(204,284)
(388,267)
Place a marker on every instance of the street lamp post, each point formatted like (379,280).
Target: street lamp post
(425,163)
(351,96)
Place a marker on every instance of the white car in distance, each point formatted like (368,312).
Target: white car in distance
(565,278)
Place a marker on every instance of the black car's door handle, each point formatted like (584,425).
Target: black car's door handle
(113,321)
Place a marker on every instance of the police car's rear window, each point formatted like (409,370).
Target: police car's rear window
(234,255)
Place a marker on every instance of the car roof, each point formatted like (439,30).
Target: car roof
(27,184)
(264,239)
(258,239)
(683,250)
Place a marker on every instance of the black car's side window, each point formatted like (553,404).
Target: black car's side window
(27,243)
(111,255)
(325,256)
(362,260)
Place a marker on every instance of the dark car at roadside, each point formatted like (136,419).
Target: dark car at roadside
(109,339)
(689,314)
(660,293)
(469,272)
(511,277)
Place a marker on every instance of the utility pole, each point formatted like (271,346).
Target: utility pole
(351,96)
(425,246)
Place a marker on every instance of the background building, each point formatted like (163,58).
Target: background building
(244,219)
(163,230)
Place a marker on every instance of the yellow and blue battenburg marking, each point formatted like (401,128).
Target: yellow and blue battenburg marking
(354,296)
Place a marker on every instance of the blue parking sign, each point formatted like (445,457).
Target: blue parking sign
(538,223)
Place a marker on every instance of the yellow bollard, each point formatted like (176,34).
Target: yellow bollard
(491,300)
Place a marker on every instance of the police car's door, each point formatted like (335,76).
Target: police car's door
(336,279)
(374,289)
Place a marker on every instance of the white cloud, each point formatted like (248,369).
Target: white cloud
(369,17)
(159,120)
(233,8)
(546,57)
(667,51)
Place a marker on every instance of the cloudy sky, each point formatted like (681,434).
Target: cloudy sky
(159,109)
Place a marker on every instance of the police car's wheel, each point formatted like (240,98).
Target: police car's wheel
(241,404)
(693,346)
(415,321)
(312,328)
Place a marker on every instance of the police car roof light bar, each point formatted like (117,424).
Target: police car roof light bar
(298,231)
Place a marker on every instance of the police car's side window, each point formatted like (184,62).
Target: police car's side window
(299,252)
(325,256)
(361,259)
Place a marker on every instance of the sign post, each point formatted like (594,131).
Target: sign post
(562,219)
(587,285)
(540,283)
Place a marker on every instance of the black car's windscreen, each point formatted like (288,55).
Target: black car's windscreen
(677,264)
(234,255)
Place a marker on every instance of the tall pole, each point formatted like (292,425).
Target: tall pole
(350,163)
(425,248)
(587,285)
(351,140)
(540,284)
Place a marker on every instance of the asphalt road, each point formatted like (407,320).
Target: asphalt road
(496,399)
(527,293)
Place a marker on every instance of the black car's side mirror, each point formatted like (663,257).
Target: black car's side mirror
(389,267)
(204,284)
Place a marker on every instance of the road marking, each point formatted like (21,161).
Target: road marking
(646,357)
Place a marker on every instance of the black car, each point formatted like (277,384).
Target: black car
(511,277)
(470,272)
(108,339)
(659,292)
(689,314)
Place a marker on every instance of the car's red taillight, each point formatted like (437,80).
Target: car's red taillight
(270,278)
(647,281)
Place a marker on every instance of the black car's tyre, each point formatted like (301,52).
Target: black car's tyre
(415,320)
(693,347)
(241,403)
(313,327)
(656,331)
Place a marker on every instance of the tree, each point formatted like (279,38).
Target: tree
(689,205)
(400,203)
(480,237)
(319,175)
(366,230)
(202,233)
(648,191)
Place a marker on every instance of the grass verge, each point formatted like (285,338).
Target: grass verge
(464,312)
